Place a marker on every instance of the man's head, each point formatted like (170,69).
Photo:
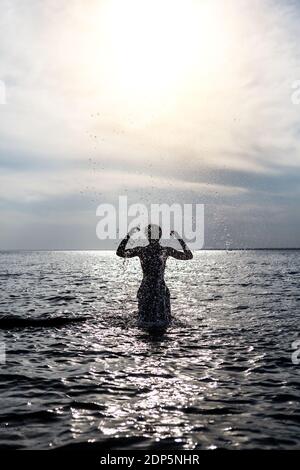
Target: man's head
(153,233)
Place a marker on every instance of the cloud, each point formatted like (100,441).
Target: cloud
(229,134)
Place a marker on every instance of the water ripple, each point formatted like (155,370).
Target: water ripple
(79,374)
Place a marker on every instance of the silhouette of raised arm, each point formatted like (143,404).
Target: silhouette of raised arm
(182,255)
(131,252)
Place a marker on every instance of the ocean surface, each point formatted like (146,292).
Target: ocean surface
(221,376)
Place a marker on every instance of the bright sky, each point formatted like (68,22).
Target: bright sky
(162,100)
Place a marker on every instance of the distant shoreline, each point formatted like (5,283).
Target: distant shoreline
(112,250)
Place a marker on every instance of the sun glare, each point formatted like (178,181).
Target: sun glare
(156,48)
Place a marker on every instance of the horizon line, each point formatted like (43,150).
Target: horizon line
(99,249)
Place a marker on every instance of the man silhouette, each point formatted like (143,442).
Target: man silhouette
(153,294)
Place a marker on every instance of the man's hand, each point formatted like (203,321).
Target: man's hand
(133,230)
(175,234)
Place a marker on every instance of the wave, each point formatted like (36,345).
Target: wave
(40,416)
(7,323)
(7,275)
(153,327)
(120,443)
